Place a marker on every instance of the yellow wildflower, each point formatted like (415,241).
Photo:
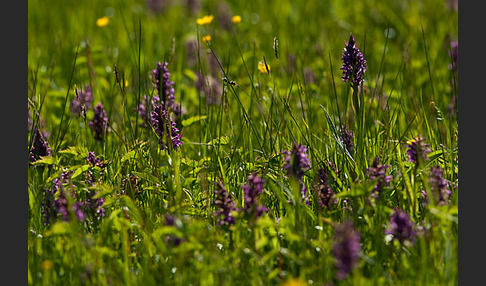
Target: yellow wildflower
(47,265)
(103,21)
(264,68)
(205,20)
(294,282)
(236,19)
(206,38)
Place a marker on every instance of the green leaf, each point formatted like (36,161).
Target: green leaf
(190,74)
(58,228)
(223,140)
(101,190)
(192,120)
(76,151)
(133,211)
(47,160)
(78,170)
(128,156)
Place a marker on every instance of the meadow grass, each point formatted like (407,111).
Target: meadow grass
(155,223)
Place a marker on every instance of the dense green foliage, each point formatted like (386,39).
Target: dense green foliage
(409,90)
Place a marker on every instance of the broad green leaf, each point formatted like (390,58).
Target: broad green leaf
(77,151)
(190,74)
(46,160)
(78,170)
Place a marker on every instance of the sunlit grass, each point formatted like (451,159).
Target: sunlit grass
(251,80)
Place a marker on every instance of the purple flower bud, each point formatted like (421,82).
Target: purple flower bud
(309,76)
(99,121)
(161,123)
(82,97)
(193,6)
(378,172)
(401,227)
(296,160)
(145,109)
(30,122)
(47,205)
(322,189)
(439,187)
(164,85)
(346,249)
(156,6)
(223,206)
(296,163)
(94,161)
(453,53)
(417,150)
(346,138)
(61,205)
(40,147)
(252,190)
(161,120)
(192,51)
(170,220)
(211,88)
(96,205)
(223,15)
(78,211)
(353,62)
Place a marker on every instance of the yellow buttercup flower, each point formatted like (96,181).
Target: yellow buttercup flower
(263,68)
(205,20)
(294,282)
(47,265)
(206,38)
(103,21)
(236,19)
